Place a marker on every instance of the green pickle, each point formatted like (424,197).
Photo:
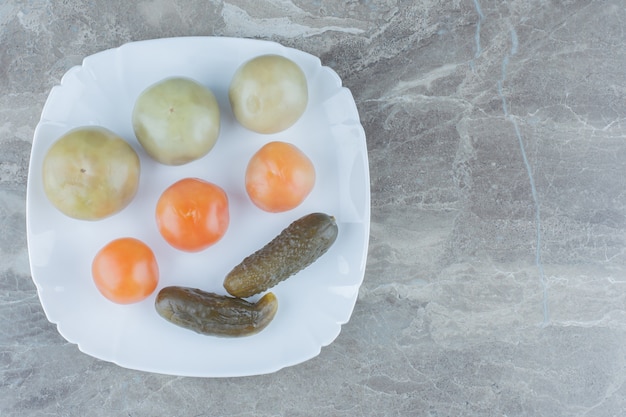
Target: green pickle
(295,248)
(213,314)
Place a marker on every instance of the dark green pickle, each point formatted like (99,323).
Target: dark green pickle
(295,248)
(213,314)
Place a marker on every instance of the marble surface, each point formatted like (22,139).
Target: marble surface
(496,274)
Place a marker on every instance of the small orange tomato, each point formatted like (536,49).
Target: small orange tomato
(192,214)
(125,271)
(279,177)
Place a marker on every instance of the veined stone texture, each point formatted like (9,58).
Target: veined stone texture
(496,274)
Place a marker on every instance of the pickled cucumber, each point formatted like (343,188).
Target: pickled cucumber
(213,314)
(295,248)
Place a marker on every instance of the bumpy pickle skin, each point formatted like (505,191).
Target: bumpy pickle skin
(213,314)
(295,248)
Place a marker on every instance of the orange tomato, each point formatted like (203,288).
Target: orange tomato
(125,271)
(279,177)
(192,214)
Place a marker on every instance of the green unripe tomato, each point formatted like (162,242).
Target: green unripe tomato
(90,173)
(176,120)
(268,93)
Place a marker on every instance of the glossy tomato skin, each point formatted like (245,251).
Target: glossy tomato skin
(192,214)
(90,173)
(268,93)
(279,176)
(125,271)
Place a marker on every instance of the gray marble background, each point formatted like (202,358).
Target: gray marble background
(496,276)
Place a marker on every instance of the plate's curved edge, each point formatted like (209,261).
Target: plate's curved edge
(256,372)
(65,79)
(333,74)
(29,232)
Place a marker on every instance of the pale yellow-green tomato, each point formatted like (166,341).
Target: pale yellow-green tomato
(268,93)
(90,173)
(176,120)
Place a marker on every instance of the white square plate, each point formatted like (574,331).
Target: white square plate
(312,304)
